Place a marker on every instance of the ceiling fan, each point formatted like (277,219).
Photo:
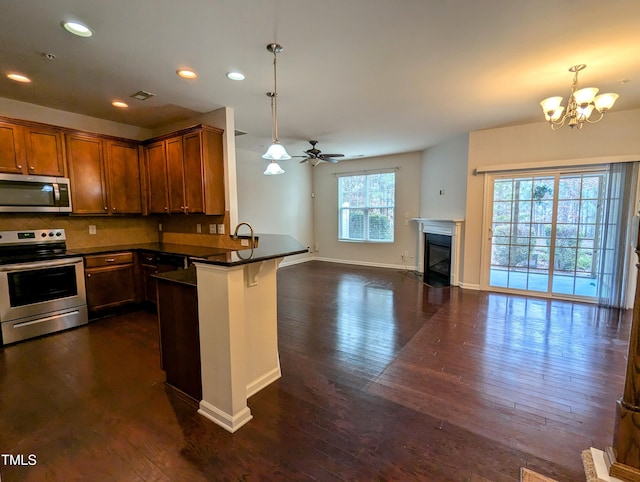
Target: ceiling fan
(315,156)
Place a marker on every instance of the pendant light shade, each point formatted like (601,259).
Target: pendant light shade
(276,151)
(273,169)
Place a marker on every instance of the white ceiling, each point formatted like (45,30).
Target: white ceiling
(364,77)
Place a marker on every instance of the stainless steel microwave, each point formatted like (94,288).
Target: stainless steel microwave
(34,194)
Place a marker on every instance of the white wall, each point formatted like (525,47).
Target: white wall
(325,187)
(444,168)
(617,135)
(275,204)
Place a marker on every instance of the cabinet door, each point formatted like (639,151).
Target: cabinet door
(123,177)
(86,172)
(192,162)
(12,156)
(213,168)
(110,286)
(45,153)
(176,175)
(158,193)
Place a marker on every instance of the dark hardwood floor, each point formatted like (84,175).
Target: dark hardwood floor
(383,378)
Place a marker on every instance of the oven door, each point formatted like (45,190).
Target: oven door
(38,288)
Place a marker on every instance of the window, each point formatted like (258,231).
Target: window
(366,207)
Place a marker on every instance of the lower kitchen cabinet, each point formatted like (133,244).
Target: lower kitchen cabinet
(180,336)
(110,280)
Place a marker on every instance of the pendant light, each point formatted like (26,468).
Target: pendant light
(276,151)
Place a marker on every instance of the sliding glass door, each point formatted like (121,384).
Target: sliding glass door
(545,232)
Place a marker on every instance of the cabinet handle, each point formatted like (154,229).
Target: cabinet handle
(110,260)
(32,168)
(19,166)
(106,208)
(166,208)
(113,209)
(88,275)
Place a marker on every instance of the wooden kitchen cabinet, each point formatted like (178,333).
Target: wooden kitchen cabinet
(11,149)
(44,149)
(105,175)
(123,177)
(157,190)
(32,150)
(110,280)
(180,336)
(191,180)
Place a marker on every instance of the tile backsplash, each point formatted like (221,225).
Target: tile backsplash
(110,231)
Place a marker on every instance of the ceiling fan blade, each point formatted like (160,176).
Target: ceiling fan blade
(332,155)
(328,159)
(307,159)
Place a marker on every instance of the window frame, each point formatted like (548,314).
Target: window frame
(367,208)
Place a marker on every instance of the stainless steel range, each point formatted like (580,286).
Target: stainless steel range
(42,286)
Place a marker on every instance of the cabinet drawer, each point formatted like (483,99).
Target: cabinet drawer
(110,259)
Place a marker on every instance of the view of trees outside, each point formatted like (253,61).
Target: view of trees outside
(367,204)
(532,240)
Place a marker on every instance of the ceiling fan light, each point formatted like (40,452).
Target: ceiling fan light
(276,152)
(604,102)
(273,169)
(585,96)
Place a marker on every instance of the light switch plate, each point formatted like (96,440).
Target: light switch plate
(220,228)
(198,228)
(92,229)
(212,229)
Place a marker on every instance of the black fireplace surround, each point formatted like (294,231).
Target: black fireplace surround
(437,259)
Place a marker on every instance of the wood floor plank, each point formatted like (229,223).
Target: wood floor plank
(383,378)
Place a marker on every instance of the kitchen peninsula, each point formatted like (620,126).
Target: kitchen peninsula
(237,323)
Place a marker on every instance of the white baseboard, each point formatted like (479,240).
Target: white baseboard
(366,263)
(230,423)
(469,286)
(261,382)
(291,262)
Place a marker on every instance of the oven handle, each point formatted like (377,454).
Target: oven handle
(39,264)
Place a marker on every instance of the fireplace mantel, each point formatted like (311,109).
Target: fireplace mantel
(447,227)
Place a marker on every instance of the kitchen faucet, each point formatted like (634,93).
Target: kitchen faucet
(235,233)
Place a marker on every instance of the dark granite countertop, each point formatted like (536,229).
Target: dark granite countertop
(181,276)
(269,246)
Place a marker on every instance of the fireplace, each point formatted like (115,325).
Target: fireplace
(437,259)
(439,248)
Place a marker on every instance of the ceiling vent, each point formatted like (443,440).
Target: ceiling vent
(142,95)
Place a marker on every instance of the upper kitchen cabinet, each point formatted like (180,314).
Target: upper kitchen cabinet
(33,150)
(105,175)
(185,172)
(157,191)
(45,151)
(11,149)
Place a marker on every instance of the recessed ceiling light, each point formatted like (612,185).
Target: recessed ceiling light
(235,75)
(77,28)
(19,78)
(120,104)
(187,73)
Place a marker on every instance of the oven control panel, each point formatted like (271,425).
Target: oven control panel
(34,236)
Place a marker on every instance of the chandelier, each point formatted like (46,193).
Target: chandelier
(580,106)
(276,151)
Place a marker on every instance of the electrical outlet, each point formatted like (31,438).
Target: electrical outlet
(212,229)
(92,229)
(160,227)
(198,228)
(220,228)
